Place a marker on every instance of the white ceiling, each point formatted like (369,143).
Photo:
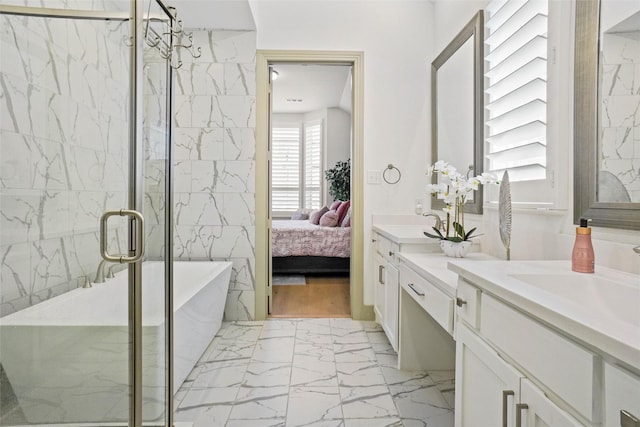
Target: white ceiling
(318,86)
(218,14)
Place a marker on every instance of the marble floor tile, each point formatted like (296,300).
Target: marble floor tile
(313,406)
(228,373)
(260,403)
(373,422)
(278,349)
(359,374)
(261,374)
(350,353)
(367,402)
(419,402)
(312,371)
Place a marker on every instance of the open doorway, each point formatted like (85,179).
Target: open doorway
(310,187)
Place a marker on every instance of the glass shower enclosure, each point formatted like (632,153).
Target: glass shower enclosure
(85,213)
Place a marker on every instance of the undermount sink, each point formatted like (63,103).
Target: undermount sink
(599,294)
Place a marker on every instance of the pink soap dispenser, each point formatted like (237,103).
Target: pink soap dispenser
(583,259)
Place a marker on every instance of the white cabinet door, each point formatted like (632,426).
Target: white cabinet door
(539,411)
(379,291)
(622,393)
(487,388)
(392,289)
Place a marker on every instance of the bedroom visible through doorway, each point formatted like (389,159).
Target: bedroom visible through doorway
(310,185)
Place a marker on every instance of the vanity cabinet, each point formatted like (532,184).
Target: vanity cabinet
(622,393)
(386,296)
(496,345)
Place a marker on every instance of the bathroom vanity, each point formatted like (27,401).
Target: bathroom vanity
(537,344)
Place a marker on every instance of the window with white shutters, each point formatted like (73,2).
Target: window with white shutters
(312,165)
(516,88)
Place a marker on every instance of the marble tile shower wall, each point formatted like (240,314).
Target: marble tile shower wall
(63,142)
(215,160)
(621,115)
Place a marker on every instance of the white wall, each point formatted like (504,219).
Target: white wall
(396,38)
(337,139)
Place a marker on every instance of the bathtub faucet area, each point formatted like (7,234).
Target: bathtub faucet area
(100,277)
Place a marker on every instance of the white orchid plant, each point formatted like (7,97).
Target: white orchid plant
(454,189)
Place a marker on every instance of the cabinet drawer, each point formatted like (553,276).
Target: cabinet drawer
(467,301)
(435,302)
(387,248)
(558,363)
(622,393)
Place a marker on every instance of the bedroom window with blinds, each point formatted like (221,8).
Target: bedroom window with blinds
(285,168)
(296,176)
(312,161)
(516,74)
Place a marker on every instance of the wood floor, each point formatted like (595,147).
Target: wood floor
(321,297)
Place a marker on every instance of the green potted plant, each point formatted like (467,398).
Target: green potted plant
(339,178)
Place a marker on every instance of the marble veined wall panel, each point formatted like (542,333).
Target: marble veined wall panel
(620,119)
(214,152)
(63,151)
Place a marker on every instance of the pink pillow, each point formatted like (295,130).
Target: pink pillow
(335,205)
(314,217)
(329,219)
(342,211)
(346,222)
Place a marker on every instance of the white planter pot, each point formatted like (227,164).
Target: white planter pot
(455,249)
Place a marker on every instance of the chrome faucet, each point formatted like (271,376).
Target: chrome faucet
(636,249)
(439,225)
(100,273)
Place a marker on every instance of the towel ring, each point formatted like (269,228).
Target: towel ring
(391,174)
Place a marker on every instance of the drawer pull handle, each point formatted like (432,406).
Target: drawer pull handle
(519,408)
(373,240)
(391,253)
(628,420)
(420,293)
(505,397)
(460,302)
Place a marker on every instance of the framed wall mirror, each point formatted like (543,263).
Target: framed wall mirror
(457,109)
(607,113)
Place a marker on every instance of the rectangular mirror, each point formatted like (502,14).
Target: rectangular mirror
(457,119)
(607,113)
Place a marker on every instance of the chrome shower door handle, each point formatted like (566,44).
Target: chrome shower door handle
(138,247)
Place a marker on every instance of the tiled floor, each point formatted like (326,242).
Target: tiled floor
(310,372)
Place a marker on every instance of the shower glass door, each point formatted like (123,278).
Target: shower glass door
(83,131)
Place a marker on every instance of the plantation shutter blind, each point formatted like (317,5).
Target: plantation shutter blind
(516,73)
(312,162)
(285,171)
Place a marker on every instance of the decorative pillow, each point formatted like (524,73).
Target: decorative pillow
(346,222)
(300,215)
(314,217)
(342,211)
(335,205)
(329,219)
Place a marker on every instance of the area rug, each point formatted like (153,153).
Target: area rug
(289,279)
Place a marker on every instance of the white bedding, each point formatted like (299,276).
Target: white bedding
(302,238)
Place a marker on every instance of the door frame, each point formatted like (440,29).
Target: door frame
(263,214)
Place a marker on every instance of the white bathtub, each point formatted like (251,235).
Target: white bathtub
(67,358)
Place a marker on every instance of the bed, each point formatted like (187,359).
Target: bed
(300,247)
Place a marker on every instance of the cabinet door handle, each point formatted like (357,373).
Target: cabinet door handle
(460,302)
(628,420)
(420,293)
(519,408)
(505,397)
(380,274)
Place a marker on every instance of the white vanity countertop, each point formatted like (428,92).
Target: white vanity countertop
(433,267)
(601,310)
(404,234)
